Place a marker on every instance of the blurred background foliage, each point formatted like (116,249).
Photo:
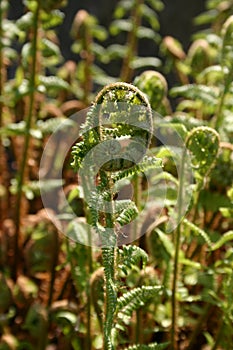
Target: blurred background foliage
(54,57)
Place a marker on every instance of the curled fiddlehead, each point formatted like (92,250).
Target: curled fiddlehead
(203,145)
(124,112)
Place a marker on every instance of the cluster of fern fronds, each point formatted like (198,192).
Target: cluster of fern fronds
(133,247)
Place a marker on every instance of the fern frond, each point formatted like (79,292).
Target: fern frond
(206,94)
(211,74)
(166,242)
(206,17)
(43,185)
(78,152)
(125,98)
(157,5)
(179,128)
(154,85)
(197,231)
(16,129)
(127,212)
(185,119)
(93,206)
(228,306)
(146,164)
(152,346)
(120,25)
(228,236)
(97,294)
(150,16)
(121,130)
(134,299)
(129,256)
(54,124)
(227,52)
(148,33)
(92,119)
(203,145)
(165,176)
(53,82)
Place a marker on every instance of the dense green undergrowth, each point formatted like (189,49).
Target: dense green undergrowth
(155,269)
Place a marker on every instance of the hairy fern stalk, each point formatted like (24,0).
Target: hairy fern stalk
(115,137)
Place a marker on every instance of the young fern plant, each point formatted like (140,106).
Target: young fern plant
(88,35)
(202,145)
(112,147)
(209,63)
(216,14)
(137,18)
(24,95)
(6,55)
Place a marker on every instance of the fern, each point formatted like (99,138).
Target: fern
(111,301)
(87,35)
(165,176)
(95,128)
(203,145)
(97,293)
(120,111)
(134,299)
(34,188)
(228,236)
(185,119)
(127,212)
(227,67)
(92,120)
(16,129)
(129,256)
(154,85)
(206,17)
(227,52)
(54,124)
(123,211)
(179,128)
(138,20)
(198,231)
(154,346)
(146,164)
(166,242)
(207,95)
(228,305)
(53,83)
(212,74)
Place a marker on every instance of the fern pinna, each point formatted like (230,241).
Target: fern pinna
(113,145)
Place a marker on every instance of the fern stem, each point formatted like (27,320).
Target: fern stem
(174,330)
(199,326)
(88,338)
(90,266)
(219,335)
(87,86)
(218,118)
(3,204)
(108,254)
(89,301)
(218,115)
(55,252)
(174,291)
(21,176)
(1,63)
(137,201)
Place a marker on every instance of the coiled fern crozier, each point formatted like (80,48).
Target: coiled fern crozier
(112,147)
